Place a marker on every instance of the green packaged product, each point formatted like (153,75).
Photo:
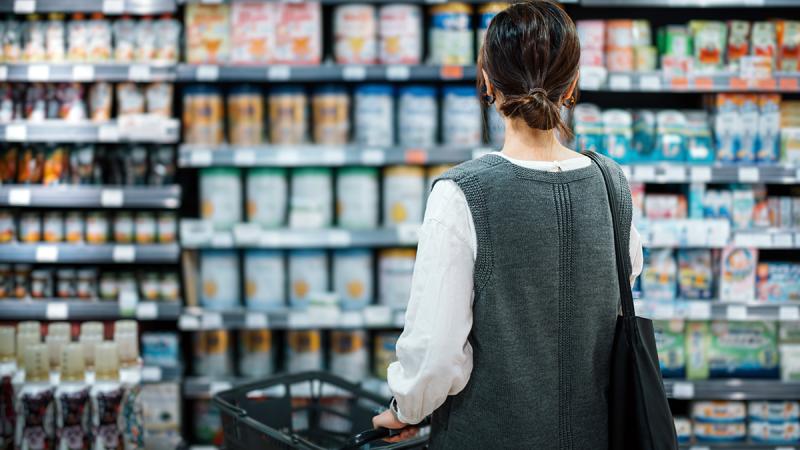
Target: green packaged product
(722,349)
(671,345)
(789,333)
(674,40)
(709,40)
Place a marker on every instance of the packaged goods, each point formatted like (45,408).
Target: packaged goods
(159,99)
(255,348)
(331,115)
(385,354)
(619,45)
(22,273)
(166,31)
(450,37)
(352,277)
(732,350)
(100,102)
(146,38)
(738,42)
(264,279)
(728,127)
(695,274)
(202,115)
(355,34)
(287,115)
(207,33)
(308,276)
(417,119)
(373,115)
(719,411)
(86,287)
(738,274)
(670,142)
(778,282)
(618,130)
(298,34)
(665,206)
(66,283)
(357,199)
(774,433)
(311,202)
(8,229)
(221,197)
(31,165)
(461,116)
(748,110)
(74,226)
(485,15)
(6,281)
(212,353)
(167,228)
(645,59)
(109,289)
(170,288)
(592,35)
(304,351)
(30,227)
(145,228)
(77,38)
(245,115)
(773,411)
(34,401)
(219,279)
(99,38)
(395,269)
(160,349)
(41,284)
(683,428)
(659,278)
(267,210)
(130,100)
(790,362)
(788,45)
(400,30)
(763,41)
(709,39)
(252,32)
(150,284)
(53,226)
(698,138)
(124,33)
(207,426)
(769,129)
(403,194)
(671,348)
(720,432)
(349,355)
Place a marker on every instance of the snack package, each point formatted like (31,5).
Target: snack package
(253,36)
(671,345)
(709,44)
(99,38)
(146,40)
(130,99)
(124,30)
(723,349)
(77,38)
(207,33)
(34,39)
(100,101)
(738,42)
(778,282)
(728,127)
(670,141)
(618,131)
(55,166)
(773,411)
(788,45)
(738,274)
(674,41)
(769,128)
(659,278)
(719,411)
(159,99)
(168,32)
(695,274)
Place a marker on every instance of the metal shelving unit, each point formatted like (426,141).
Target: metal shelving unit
(84,196)
(737,446)
(77,309)
(733,389)
(161,131)
(86,72)
(105,6)
(692,83)
(87,253)
(324,72)
(717,310)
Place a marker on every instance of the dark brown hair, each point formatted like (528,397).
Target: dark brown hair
(531,55)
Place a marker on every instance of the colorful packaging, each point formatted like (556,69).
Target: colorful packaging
(719,411)
(287,115)
(728,127)
(670,140)
(357,201)
(462,122)
(252,32)
(659,278)
(749,112)
(763,40)
(202,115)
(644,135)
(695,274)
(778,282)
(788,45)
(450,35)
(592,35)
(219,279)
(737,274)
(744,204)
(298,35)
(385,352)
(671,347)
(207,33)
(304,351)
(221,196)
(588,127)
(264,279)
(683,429)
(774,433)
(308,276)
(724,349)
(353,278)
(355,34)
(720,432)
(245,114)
(400,29)
(709,44)
(738,42)
(773,411)
(665,206)
(618,131)
(212,353)
(349,355)
(330,106)
(255,348)
(619,45)
(769,128)
(267,210)
(699,141)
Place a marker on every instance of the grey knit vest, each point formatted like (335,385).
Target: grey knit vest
(546,296)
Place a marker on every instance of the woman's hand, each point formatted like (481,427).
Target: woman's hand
(387,420)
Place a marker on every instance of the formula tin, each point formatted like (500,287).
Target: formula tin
(265,282)
(311,204)
(462,118)
(353,277)
(355,34)
(400,30)
(417,116)
(255,353)
(403,194)
(450,34)
(304,351)
(308,275)
(373,114)
(219,278)
(349,355)
(357,197)
(221,197)
(267,196)
(395,270)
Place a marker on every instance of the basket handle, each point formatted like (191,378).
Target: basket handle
(365,437)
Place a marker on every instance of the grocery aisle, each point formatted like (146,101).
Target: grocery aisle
(245,180)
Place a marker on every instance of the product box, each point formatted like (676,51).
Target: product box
(718,411)
(744,203)
(728,127)
(769,128)
(644,135)
(778,282)
(665,206)
(720,432)
(671,345)
(252,32)
(709,39)
(683,428)
(670,135)
(784,216)
(699,140)
(160,349)
(697,195)
(732,350)
(773,411)
(717,204)
(789,332)
(298,35)
(659,277)
(749,113)
(588,126)
(788,45)
(207,34)
(775,433)
(790,362)
(738,274)
(674,40)
(695,274)
(738,42)
(162,415)
(763,40)
(618,132)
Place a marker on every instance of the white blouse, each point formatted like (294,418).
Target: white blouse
(434,358)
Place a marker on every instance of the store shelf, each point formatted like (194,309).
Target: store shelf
(690,4)
(104,6)
(692,173)
(738,446)
(372,317)
(734,389)
(81,196)
(713,233)
(86,72)
(325,72)
(157,131)
(717,310)
(596,79)
(76,309)
(85,253)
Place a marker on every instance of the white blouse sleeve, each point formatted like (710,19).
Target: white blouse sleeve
(434,358)
(637,260)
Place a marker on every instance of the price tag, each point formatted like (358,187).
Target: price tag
(700,174)
(112,198)
(325,316)
(151,374)
(108,133)
(782,240)
(703,83)
(377,315)
(207,73)
(218,386)
(373,157)
(128,300)
(200,158)
(644,173)
(83,72)
(270,239)
(679,83)
(212,321)
(279,73)
(699,310)
(682,390)
(619,82)
(354,73)
(736,312)
(16,132)
(451,72)
(56,311)
(47,254)
(288,157)
(24,6)
(147,311)
(123,254)
(244,158)
(299,320)
(748,174)
(408,233)
(650,83)
(675,174)
(737,84)
(139,72)
(789,313)
(334,157)
(19,197)
(3,73)
(398,73)
(338,238)
(789,84)
(255,321)
(188,322)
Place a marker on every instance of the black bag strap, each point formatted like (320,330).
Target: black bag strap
(625,293)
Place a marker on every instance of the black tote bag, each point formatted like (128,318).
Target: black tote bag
(639,417)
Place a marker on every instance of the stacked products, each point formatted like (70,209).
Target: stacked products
(54,38)
(22,282)
(759,422)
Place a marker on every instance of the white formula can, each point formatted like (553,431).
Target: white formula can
(265,279)
(462,117)
(450,35)
(353,277)
(396,268)
(219,278)
(303,351)
(255,353)
(400,29)
(308,275)
(373,113)
(355,34)
(221,197)
(403,195)
(311,204)
(417,116)
(349,355)
(357,197)
(267,196)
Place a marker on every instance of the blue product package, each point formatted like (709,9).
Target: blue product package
(773,411)
(750,124)
(769,128)
(743,350)
(727,127)
(264,279)
(787,432)
(778,282)
(588,127)
(695,274)
(659,277)
(699,143)
(670,136)
(644,136)
(618,131)
(697,195)
(160,349)
(353,278)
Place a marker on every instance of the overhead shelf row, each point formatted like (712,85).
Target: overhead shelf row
(84,196)
(162,131)
(86,72)
(89,253)
(60,309)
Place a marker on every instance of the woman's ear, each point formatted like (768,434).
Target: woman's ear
(572,87)
(489,87)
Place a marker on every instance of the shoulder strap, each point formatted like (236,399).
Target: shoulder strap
(626,296)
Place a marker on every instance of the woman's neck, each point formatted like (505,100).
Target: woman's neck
(526,143)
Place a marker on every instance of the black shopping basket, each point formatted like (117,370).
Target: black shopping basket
(311,410)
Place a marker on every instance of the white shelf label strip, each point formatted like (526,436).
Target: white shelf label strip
(19,197)
(123,254)
(112,198)
(16,132)
(57,311)
(682,390)
(147,311)
(83,72)
(46,254)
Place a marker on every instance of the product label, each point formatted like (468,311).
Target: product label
(264,280)
(266,199)
(357,200)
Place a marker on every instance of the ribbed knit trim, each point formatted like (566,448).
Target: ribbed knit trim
(544,175)
(566,228)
